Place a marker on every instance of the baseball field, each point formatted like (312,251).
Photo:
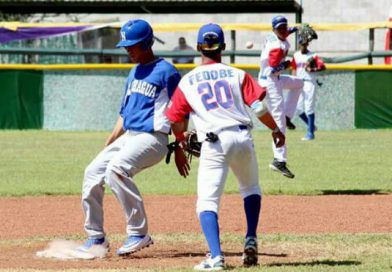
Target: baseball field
(336,215)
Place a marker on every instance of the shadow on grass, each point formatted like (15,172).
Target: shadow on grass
(317,262)
(191,254)
(353,192)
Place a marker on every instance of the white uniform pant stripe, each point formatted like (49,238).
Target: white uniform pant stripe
(116,165)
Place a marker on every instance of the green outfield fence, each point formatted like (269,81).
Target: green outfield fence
(87,96)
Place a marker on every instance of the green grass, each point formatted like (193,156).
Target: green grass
(355,161)
(332,252)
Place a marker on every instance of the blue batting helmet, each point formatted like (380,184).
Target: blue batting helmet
(278,21)
(134,32)
(211,37)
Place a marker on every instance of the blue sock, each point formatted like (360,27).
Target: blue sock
(304,117)
(311,118)
(252,205)
(210,226)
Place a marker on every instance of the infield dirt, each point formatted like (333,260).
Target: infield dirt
(25,219)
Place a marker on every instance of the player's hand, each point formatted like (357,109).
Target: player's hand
(282,66)
(279,138)
(181,162)
(292,29)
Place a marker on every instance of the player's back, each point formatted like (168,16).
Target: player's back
(214,91)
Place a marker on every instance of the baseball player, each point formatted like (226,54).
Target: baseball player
(215,95)
(273,63)
(305,63)
(138,141)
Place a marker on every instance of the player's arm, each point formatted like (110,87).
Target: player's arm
(117,131)
(276,60)
(254,95)
(177,112)
(319,63)
(293,67)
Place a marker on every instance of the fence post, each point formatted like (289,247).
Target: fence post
(233,46)
(371,45)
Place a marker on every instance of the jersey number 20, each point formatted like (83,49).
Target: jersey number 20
(217,95)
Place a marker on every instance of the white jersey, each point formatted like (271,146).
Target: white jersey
(299,63)
(273,53)
(215,95)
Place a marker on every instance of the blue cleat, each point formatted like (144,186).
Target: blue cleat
(308,137)
(134,243)
(94,242)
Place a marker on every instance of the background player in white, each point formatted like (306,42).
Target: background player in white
(139,140)
(273,62)
(215,95)
(305,63)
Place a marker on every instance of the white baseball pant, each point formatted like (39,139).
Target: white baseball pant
(234,149)
(116,166)
(307,99)
(280,108)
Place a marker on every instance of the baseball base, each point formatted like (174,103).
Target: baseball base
(67,250)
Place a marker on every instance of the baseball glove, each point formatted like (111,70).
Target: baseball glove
(311,63)
(306,34)
(193,146)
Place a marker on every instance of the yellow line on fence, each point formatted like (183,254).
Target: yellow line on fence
(179,66)
(170,27)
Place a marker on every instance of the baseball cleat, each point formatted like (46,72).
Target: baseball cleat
(94,242)
(211,264)
(308,137)
(134,243)
(289,124)
(281,168)
(250,255)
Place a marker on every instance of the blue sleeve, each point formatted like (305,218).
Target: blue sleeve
(172,83)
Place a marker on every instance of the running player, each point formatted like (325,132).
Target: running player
(138,141)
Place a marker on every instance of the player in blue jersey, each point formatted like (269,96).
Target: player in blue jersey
(139,140)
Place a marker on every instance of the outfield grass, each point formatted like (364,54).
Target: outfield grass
(355,161)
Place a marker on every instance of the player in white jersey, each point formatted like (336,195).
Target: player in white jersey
(215,95)
(273,63)
(305,63)
(138,141)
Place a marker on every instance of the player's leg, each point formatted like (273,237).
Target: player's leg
(295,86)
(93,193)
(301,108)
(140,151)
(275,105)
(310,101)
(211,178)
(243,162)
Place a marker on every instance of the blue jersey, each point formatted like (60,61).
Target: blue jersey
(148,91)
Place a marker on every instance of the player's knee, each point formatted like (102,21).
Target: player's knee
(207,205)
(250,190)
(113,174)
(309,112)
(90,172)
